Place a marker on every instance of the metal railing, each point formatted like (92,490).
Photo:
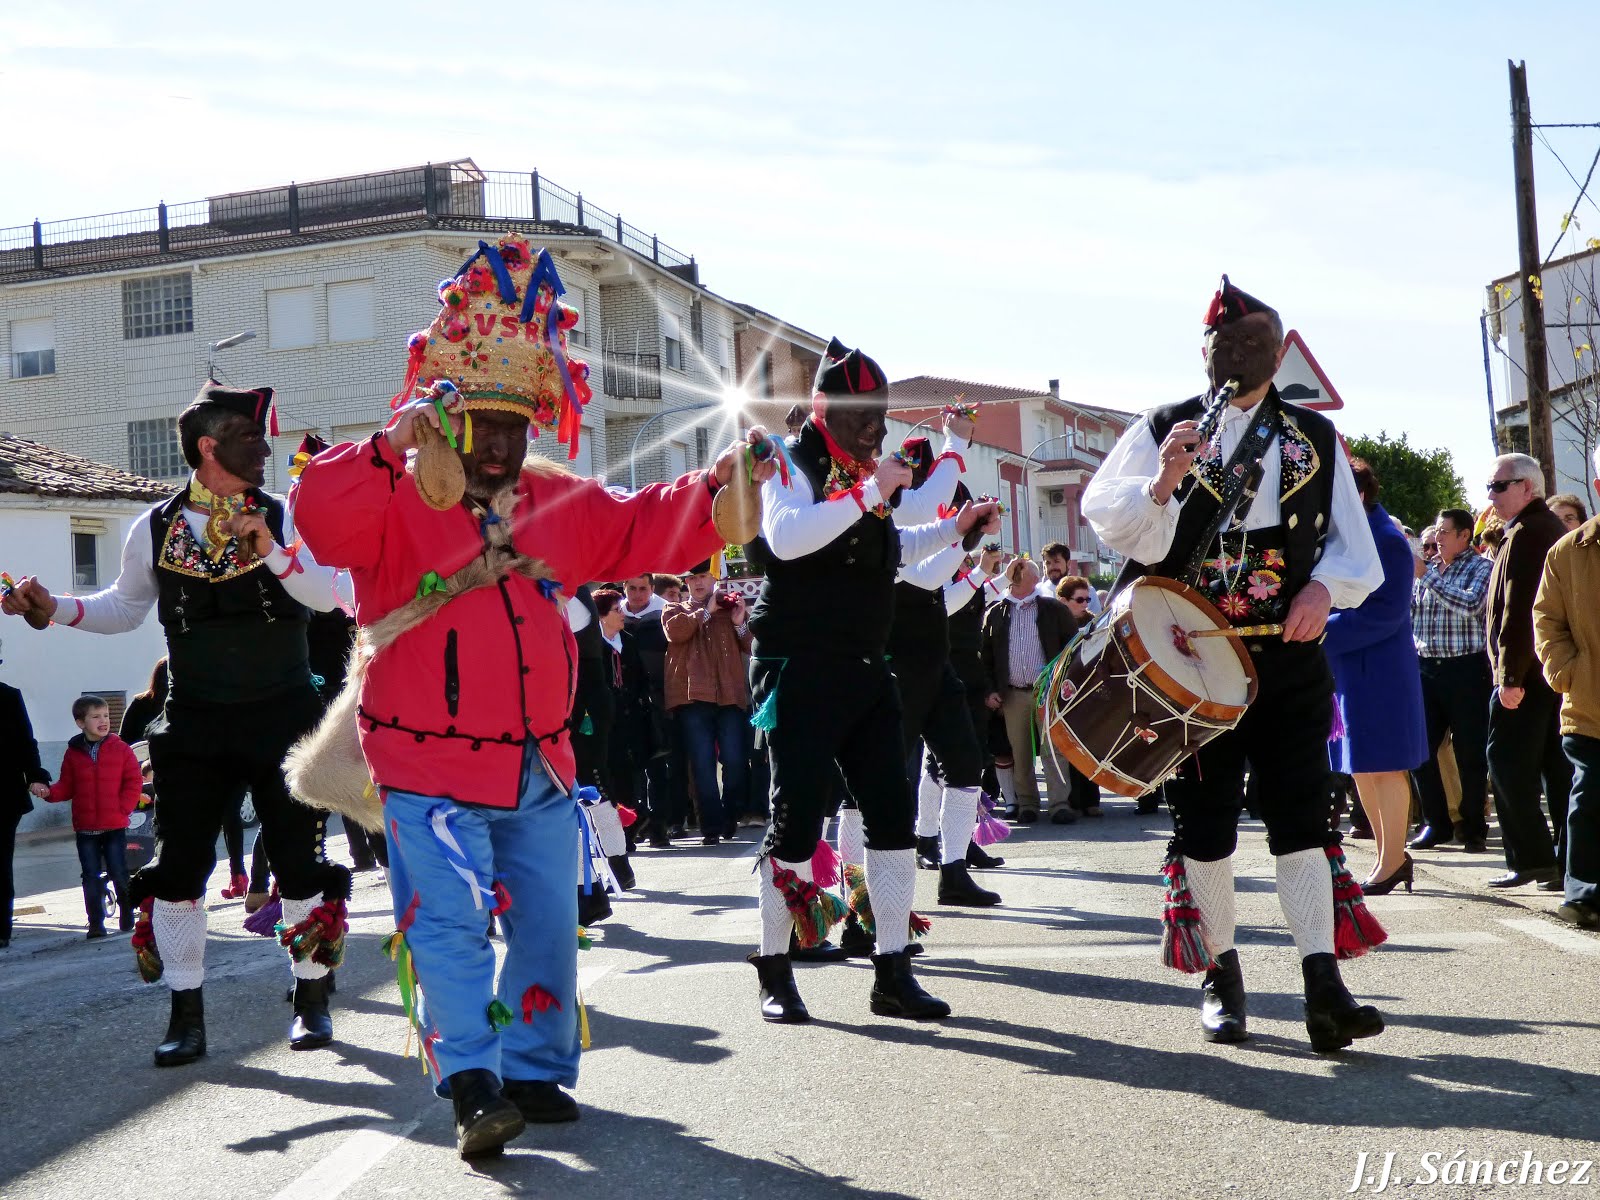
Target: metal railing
(633,376)
(436,194)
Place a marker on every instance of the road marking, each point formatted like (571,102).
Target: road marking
(33,910)
(589,976)
(357,1155)
(1562,939)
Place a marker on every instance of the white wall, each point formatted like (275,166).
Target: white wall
(53,667)
(983,462)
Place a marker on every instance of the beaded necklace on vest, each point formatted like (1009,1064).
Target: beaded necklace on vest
(847,473)
(219,510)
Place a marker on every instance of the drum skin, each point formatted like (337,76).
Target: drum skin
(1109,713)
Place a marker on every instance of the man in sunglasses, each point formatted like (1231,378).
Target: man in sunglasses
(1524,740)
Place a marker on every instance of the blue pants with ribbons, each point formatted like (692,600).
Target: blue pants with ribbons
(435,847)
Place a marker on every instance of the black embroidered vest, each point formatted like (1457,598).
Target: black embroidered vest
(921,626)
(840,598)
(233,633)
(966,623)
(1310,450)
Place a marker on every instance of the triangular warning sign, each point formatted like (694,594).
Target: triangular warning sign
(1300,380)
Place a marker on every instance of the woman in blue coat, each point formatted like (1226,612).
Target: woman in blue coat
(1379,724)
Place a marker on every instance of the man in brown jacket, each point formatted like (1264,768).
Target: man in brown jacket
(708,693)
(1524,738)
(1566,631)
(1022,632)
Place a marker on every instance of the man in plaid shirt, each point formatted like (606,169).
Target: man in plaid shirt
(1447,625)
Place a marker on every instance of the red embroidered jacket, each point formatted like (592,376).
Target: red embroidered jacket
(447,708)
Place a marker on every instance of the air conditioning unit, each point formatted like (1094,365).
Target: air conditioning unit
(1057,497)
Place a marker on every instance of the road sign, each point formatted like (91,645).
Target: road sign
(1301,381)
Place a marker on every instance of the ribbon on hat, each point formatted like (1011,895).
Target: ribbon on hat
(544,271)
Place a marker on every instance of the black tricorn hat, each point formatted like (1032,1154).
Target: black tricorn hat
(847,372)
(312,444)
(1231,304)
(252,403)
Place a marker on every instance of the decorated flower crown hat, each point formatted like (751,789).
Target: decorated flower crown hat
(499,344)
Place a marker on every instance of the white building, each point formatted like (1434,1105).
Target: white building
(1572,335)
(105,322)
(64,519)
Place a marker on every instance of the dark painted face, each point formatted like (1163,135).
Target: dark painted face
(1246,350)
(499,444)
(858,423)
(242,450)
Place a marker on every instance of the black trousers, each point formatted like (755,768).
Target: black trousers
(835,716)
(934,710)
(1525,751)
(595,704)
(10,818)
(1455,700)
(202,756)
(1284,738)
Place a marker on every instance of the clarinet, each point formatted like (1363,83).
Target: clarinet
(1215,408)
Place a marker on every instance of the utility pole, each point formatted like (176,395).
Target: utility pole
(1536,358)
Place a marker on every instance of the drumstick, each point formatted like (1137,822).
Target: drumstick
(1240,631)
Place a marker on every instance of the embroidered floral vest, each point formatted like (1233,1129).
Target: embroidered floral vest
(233,633)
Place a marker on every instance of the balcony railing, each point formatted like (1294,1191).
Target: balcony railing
(633,376)
(437,194)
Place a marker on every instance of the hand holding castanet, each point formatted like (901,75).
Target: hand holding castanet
(29,600)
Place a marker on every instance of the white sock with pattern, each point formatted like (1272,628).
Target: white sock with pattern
(928,796)
(958,817)
(1305,892)
(777,922)
(892,885)
(1211,885)
(1007,778)
(180,930)
(851,840)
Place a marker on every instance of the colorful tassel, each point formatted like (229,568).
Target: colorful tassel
(990,828)
(815,911)
(825,865)
(1355,929)
(860,902)
(264,921)
(320,937)
(1337,730)
(1182,946)
(145,953)
(920,925)
(394,948)
(500,1017)
(585,939)
(765,718)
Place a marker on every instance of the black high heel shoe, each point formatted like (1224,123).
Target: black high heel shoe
(1404,873)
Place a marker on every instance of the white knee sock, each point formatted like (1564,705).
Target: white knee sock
(958,817)
(851,844)
(892,884)
(1007,777)
(295,911)
(777,922)
(1211,885)
(928,794)
(1305,892)
(180,930)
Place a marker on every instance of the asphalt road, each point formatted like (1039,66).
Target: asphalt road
(1072,1066)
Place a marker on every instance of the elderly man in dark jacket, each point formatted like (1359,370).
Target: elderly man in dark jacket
(19,773)
(1022,632)
(1524,736)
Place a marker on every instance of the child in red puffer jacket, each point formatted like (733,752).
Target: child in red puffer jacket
(100,776)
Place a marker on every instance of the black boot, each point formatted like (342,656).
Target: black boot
(1333,1018)
(485,1119)
(854,941)
(928,853)
(780,999)
(981,859)
(312,1027)
(896,994)
(956,886)
(541,1101)
(823,951)
(594,905)
(186,1031)
(1222,1001)
(623,870)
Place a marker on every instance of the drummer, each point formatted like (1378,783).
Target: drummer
(1264,518)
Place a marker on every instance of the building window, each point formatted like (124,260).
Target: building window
(672,336)
(702,446)
(291,318)
(154,450)
(33,348)
(350,316)
(85,559)
(578,335)
(157,306)
(764,375)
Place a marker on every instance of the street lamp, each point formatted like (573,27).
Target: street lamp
(731,400)
(227,343)
(1069,435)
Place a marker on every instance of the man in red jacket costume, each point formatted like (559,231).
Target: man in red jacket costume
(464,703)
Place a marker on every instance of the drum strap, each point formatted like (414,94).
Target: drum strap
(1241,477)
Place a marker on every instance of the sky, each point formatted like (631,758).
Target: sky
(1006,193)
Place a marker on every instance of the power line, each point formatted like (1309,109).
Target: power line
(1568,125)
